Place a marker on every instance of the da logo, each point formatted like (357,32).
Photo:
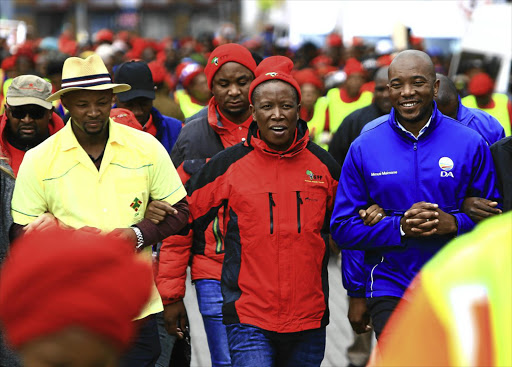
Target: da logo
(272,74)
(446,164)
(215,61)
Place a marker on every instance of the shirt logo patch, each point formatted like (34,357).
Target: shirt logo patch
(313,178)
(446,165)
(136,203)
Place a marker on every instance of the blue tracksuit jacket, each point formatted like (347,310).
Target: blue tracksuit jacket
(388,167)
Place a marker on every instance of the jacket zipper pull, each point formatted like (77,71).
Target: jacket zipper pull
(299,203)
(271,205)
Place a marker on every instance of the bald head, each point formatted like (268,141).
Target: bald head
(447,97)
(414,57)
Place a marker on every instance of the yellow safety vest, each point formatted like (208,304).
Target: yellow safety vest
(317,123)
(338,109)
(499,111)
(188,107)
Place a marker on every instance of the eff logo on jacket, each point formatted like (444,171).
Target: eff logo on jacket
(446,164)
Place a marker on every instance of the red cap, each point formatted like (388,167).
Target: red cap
(272,68)
(125,117)
(58,278)
(187,71)
(230,52)
(481,84)
(305,76)
(104,35)
(9,63)
(334,40)
(353,66)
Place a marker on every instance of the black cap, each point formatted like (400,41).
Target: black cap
(138,75)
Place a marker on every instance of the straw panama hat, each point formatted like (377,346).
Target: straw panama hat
(90,74)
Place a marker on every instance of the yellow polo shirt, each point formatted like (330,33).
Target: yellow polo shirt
(59,177)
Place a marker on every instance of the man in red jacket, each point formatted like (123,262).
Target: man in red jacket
(222,124)
(277,190)
(28,118)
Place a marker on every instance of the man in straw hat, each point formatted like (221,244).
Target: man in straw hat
(101,174)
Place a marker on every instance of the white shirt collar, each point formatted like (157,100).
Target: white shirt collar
(411,134)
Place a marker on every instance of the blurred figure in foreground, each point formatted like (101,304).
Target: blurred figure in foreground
(82,317)
(457,311)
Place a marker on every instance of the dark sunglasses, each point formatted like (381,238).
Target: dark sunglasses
(34,112)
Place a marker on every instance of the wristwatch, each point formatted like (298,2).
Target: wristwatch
(140,238)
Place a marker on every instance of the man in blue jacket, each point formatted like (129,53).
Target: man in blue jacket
(139,100)
(409,164)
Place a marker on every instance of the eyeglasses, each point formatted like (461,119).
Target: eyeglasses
(34,112)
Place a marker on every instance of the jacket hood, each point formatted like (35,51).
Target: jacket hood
(55,125)
(301,140)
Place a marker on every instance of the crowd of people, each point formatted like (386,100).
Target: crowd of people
(253,170)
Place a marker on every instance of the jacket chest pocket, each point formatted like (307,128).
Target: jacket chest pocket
(313,209)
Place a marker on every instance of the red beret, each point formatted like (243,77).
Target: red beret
(187,71)
(104,35)
(353,66)
(305,76)
(334,40)
(230,52)
(481,84)
(384,60)
(125,117)
(272,68)
(9,63)
(58,278)
(158,71)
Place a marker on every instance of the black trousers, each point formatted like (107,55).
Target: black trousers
(380,309)
(146,345)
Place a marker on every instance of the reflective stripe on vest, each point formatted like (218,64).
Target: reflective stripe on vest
(338,109)
(499,111)
(188,107)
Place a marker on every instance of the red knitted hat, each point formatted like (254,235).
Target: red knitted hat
(272,68)
(230,52)
(305,76)
(58,278)
(187,71)
(353,66)
(480,84)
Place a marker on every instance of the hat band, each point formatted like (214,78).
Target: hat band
(87,81)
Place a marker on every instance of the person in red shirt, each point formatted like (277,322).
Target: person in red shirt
(28,119)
